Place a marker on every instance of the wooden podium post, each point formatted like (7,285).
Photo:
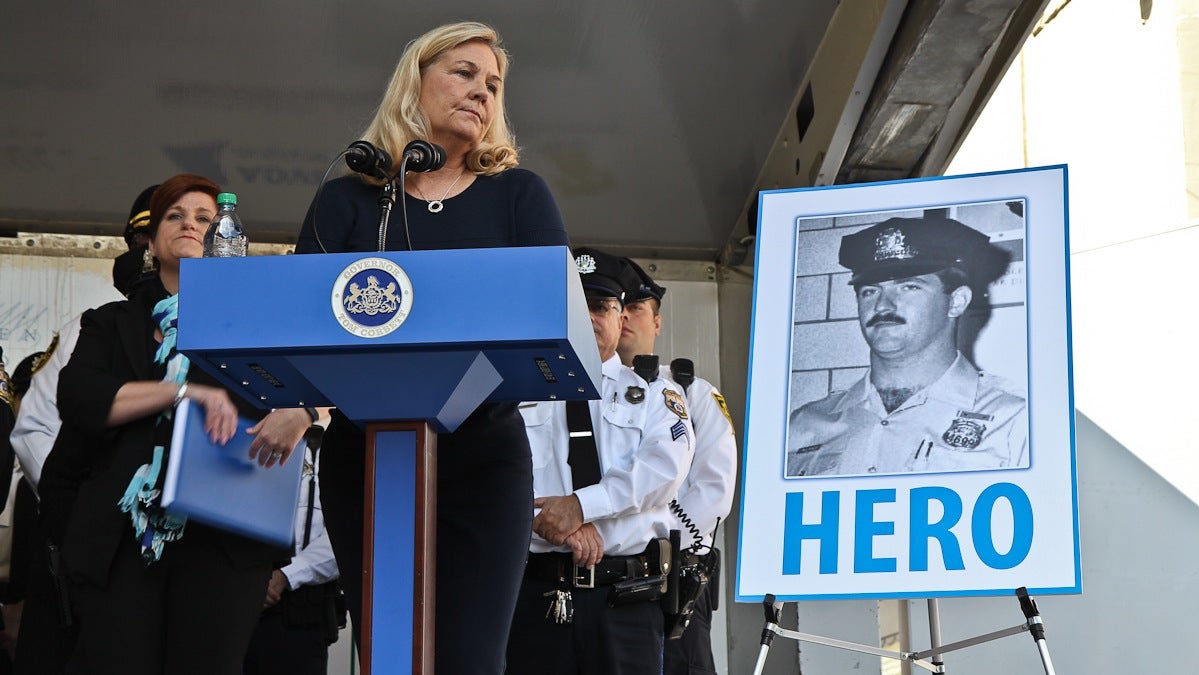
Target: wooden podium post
(401,480)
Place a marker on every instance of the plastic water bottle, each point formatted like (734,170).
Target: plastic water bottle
(225,237)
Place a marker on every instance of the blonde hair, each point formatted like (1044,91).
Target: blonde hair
(399,119)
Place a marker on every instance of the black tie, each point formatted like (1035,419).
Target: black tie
(583,456)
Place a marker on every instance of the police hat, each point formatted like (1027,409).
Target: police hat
(908,247)
(22,375)
(600,273)
(638,285)
(139,214)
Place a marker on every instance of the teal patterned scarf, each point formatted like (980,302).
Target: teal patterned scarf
(152,525)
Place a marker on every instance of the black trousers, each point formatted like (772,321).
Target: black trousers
(190,613)
(45,645)
(278,650)
(691,654)
(484,521)
(602,640)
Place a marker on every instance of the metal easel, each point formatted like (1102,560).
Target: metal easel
(929,659)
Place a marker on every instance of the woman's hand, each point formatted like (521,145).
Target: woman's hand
(277,434)
(220,415)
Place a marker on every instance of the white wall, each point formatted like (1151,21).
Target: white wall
(38,294)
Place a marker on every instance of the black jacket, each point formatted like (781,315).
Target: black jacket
(91,465)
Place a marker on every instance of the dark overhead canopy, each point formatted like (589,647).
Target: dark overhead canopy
(655,123)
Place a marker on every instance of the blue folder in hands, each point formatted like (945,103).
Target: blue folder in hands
(222,487)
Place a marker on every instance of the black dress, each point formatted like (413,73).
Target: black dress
(484,469)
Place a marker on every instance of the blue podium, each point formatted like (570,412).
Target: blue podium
(406,344)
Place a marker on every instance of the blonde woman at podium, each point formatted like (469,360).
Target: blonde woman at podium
(448,89)
(151,592)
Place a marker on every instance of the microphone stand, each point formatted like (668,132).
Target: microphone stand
(387,199)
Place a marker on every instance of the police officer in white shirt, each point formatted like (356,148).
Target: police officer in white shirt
(922,406)
(706,495)
(588,603)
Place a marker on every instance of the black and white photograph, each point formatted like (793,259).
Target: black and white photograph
(910,398)
(909,351)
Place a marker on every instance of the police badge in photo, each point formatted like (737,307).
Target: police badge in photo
(372,297)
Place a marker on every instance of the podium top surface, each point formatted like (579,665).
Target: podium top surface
(309,329)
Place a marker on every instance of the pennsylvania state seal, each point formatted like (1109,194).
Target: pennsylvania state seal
(371,297)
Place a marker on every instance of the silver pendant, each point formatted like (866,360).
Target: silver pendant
(436,206)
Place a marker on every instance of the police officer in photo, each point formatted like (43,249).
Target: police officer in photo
(922,406)
(604,473)
(706,495)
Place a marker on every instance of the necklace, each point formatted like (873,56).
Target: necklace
(435,205)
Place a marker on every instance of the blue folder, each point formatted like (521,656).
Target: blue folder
(222,487)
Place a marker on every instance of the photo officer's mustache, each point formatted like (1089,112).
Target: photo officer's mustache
(888,317)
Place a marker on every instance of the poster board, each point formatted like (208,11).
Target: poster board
(835,504)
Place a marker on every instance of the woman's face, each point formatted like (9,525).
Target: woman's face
(458,93)
(181,232)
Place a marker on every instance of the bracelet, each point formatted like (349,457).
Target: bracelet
(180,395)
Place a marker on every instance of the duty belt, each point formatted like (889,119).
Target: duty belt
(688,558)
(561,567)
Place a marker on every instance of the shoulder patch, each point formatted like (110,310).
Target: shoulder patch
(42,360)
(724,408)
(674,401)
(6,395)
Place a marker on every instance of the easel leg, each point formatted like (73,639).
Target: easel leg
(934,634)
(1036,627)
(772,610)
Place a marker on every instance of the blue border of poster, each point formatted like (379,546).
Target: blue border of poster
(920,533)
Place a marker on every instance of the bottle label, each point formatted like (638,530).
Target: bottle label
(229,248)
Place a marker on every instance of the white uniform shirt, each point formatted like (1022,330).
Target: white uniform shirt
(966,420)
(38,421)
(314,564)
(706,494)
(644,448)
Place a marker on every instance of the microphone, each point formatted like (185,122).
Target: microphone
(363,157)
(422,156)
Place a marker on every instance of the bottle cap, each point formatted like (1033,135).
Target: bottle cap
(226,198)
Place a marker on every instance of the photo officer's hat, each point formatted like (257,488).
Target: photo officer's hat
(600,273)
(907,247)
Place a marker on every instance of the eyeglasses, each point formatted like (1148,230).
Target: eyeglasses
(602,307)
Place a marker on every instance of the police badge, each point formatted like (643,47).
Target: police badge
(964,433)
(585,264)
(675,403)
(890,244)
(635,395)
